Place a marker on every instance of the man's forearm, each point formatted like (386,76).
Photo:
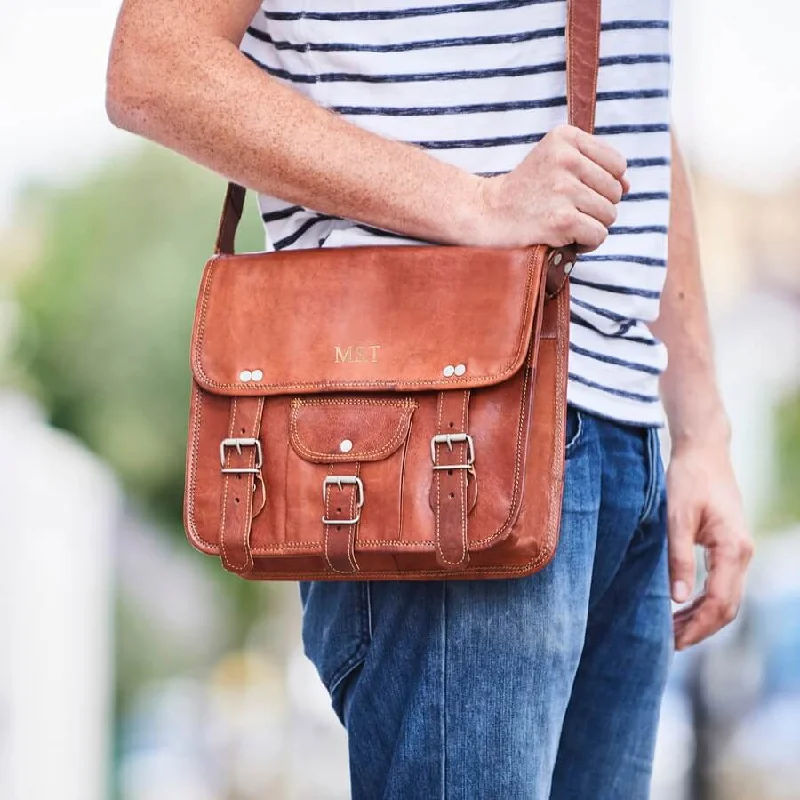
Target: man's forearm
(688,387)
(193,91)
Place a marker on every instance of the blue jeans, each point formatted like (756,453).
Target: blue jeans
(537,687)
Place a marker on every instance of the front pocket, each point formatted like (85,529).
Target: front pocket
(349,437)
(336,628)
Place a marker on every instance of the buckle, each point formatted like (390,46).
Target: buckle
(238,444)
(344,480)
(449,439)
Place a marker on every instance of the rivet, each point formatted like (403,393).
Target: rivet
(257,375)
(460,369)
(558,258)
(449,371)
(245,375)
(345,446)
(568,267)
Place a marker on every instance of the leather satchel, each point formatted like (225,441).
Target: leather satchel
(384,412)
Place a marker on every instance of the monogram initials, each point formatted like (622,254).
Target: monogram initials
(357,354)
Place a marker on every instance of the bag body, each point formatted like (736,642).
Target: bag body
(369,412)
(383,412)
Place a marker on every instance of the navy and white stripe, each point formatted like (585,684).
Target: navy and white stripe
(478,83)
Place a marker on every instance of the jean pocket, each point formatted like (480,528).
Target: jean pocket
(574,434)
(336,629)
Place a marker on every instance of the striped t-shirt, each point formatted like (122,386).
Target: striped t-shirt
(477,84)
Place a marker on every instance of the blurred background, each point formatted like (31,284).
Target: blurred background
(131,667)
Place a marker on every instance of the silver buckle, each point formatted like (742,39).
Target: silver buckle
(343,480)
(449,439)
(238,444)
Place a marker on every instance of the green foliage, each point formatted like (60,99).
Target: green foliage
(786,509)
(107,309)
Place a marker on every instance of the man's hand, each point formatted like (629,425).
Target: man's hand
(705,508)
(565,191)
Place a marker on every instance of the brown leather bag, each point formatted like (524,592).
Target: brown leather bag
(384,412)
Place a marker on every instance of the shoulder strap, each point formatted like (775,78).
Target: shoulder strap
(583,46)
(583,55)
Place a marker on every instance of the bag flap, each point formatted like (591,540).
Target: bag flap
(364,319)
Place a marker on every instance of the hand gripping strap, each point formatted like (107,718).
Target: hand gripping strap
(583,46)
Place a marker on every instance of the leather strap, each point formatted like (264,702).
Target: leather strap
(341,503)
(583,46)
(450,485)
(583,54)
(232,211)
(239,488)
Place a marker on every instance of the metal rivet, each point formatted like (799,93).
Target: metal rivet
(345,446)
(245,375)
(460,369)
(557,259)
(257,374)
(449,371)
(568,267)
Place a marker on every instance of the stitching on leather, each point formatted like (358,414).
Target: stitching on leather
(327,528)
(267,549)
(428,543)
(570,66)
(403,477)
(523,421)
(401,432)
(544,554)
(246,512)
(462,488)
(557,464)
(437,477)
(226,484)
(248,509)
(595,70)
(351,540)
(353,401)
(351,511)
(472,381)
(192,470)
(463,481)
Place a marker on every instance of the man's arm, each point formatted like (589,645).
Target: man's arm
(176,76)
(704,502)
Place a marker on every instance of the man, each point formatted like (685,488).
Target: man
(542,686)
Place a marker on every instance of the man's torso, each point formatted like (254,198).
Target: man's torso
(477,84)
